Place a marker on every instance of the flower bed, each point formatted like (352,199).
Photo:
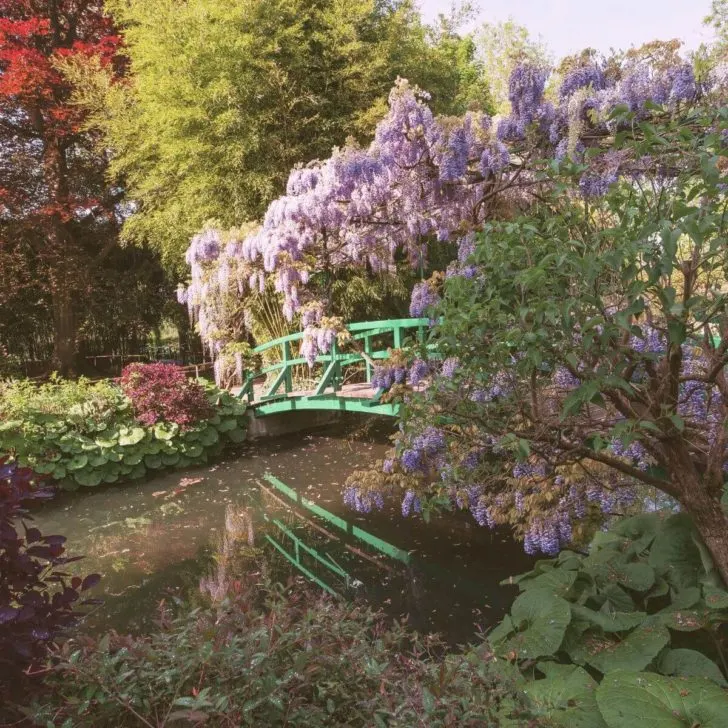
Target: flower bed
(85,434)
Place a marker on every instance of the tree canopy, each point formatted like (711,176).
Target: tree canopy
(223,98)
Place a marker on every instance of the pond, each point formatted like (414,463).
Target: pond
(155,539)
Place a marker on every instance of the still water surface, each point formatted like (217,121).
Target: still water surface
(153,540)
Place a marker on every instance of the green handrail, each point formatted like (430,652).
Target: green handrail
(333,362)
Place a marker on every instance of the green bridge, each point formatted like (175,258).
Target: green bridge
(343,378)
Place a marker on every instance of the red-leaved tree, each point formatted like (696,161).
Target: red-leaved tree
(55,205)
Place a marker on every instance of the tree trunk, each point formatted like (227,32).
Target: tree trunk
(64,341)
(711,521)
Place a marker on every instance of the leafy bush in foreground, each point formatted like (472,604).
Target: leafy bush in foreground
(79,433)
(36,598)
(289,661)
(627,635)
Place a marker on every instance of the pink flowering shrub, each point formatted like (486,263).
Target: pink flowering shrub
(162,393)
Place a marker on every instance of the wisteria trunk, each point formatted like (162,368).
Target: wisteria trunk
(712,523)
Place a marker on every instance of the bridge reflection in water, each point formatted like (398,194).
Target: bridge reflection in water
(347,561)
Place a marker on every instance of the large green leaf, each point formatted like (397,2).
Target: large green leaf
(98,459)
(646,700)
(558,581)
(690,663)
(609,620)
(715,597)
(638,577)
(170,459)
(674,553)
(77,462)
(618,599)
(566,695)
(193,450)
(686,620)
(153,462)
(227,424)
(607,653)
(87,477)
(209,436)
(541,618)
(237,435)
(166,430)
(131,436)
(133,457)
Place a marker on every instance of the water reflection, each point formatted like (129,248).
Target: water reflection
(156,540)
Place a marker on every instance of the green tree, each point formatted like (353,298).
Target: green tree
(499,48)
(225,97)
(592,340)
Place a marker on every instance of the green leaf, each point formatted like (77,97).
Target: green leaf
(132,437)
(208,436)
(170,459)
(715,597)
(646,700)
(77,462)
(635,652)
(153,462)
(674,553)
(690,663)
(609,621)
(227,424)
(558,581)
(541,618)
(89,478)
(685,620)
(134,457)
(638,577)
(567,695)
(237,435)
(166,430)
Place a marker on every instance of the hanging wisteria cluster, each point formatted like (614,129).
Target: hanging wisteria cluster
(421,179)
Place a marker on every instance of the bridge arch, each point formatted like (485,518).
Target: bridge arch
(330,392)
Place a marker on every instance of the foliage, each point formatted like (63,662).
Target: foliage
(80,433)
(449,174)
(59,218)
(223,98)
(36,598)
(284,660)
(639,616)
(598,364)
(162,392)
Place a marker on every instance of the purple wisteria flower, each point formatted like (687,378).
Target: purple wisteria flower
(423,299)
(450,366)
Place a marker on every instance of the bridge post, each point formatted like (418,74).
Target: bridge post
(288,381)
(397,337)
(368,352)
(336,378)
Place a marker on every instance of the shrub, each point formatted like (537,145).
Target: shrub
(84,434)
(628,634)
(36,598)
(162,393)
(286,661)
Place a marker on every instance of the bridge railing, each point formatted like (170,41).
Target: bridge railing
(375,339)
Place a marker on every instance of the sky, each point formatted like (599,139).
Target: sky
(570,25)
